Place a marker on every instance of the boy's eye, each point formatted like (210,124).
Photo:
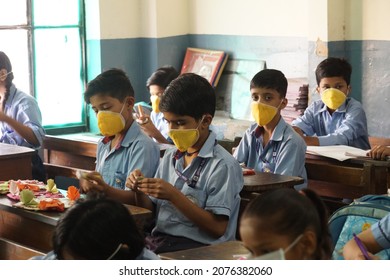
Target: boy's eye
(255,98)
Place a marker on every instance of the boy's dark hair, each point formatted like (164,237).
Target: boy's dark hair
(334,67)
(113,82)
(5,63)
(162,77)
(289,212)
(271,79)
(94,228)
(190,95)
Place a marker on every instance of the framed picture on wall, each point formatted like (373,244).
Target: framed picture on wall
(206,63)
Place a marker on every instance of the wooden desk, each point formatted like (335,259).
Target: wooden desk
(73,150)
(262,182)
(347,179)
(15,162)
(231,250)
(34,228)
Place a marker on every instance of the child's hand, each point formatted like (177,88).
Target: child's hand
(379,152)
(92,181)
(158,188)
(133,180)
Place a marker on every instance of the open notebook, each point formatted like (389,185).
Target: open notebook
(339,152)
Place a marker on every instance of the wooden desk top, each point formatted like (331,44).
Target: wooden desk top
(353,161)
(11,151)
(262,181)
(51,218)
(231,250)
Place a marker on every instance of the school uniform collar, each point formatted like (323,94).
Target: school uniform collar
(128,138)
(207,150)
(277,134)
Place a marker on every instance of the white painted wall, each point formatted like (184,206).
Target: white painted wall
(327,20)
(368,20)
(249,17)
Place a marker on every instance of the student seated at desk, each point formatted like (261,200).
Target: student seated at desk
(124,146)
(336,119)
(154,125)
(286,224)
(374,239)
(195,192)
(270,144)
(20,118)
(98,229)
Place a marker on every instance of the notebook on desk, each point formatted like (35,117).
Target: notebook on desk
(339,152)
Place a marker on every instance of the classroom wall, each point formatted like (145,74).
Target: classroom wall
(290,35)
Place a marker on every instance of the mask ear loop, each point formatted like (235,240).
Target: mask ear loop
(115,252)
(293,244)
(5,75)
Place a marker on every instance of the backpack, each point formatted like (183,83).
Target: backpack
(356,217)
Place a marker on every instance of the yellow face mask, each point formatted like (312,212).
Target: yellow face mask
(333,98)
(263,113)
(155,99)
(184,138)
(110,123)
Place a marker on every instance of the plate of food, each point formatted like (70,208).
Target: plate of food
(45,204)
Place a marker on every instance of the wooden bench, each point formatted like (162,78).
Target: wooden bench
(10,250)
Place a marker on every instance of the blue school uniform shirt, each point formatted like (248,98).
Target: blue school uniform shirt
(284,154)
(135,151)
(217,190)
(160,123)
(381,232)
(346,126)
(24,109)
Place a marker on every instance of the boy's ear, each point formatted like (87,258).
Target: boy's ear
(284,103)
(207,120)
(318,89)
(349,89)
(130,101)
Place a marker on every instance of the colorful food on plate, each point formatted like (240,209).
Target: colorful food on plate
(73,193)
(51,205)
(27,198)
(51,187)
(4,187)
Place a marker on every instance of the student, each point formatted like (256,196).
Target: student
(124,146)
(374,239)
(286,224)
(336,119)
(20,117)
(195,193)
(270,144)
(156,84)
(98,229)
(379,152)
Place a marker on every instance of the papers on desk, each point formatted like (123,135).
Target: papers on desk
(339,152)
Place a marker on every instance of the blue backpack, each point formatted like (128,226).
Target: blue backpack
(356,217)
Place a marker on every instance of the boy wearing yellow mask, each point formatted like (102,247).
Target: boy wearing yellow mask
(154,125)
(195,192)
(270,144)
(336,119)
(124,146)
